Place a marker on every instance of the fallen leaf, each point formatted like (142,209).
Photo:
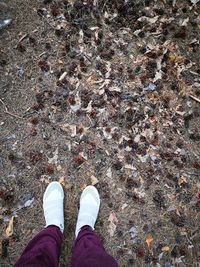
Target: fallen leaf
(109,173)
(141,180)
(94,180)
(158,76)
(194,1)
(165,249)
(124,206)
(45,179)
(73,130)
(88,109)
(149,240)
(151,87)
(64,127)
(59,168)
(134,234)
(29,202)
(112,225)
(9,229)
(55,109)
(182,180)
(65,183)
(26,201)
(114,89)
(198,186)
(197,195)
(82,186)
(62,181)
(129,166)
(54,159)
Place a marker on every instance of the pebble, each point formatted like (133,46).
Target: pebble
(168,264)
(5,23)
(65,147)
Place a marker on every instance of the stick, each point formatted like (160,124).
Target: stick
(195,98)
(21,39)
(6,111)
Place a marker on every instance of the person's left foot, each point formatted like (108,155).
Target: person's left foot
(53,205)
(89,208)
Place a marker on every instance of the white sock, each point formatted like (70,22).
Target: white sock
(89,208)
(53,205)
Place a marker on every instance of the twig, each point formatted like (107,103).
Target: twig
(192,173)
(6,111)
(43,53)
(195,98)
(21,39)
(105,3)
(87,58)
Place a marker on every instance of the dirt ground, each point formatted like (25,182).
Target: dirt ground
(104,93)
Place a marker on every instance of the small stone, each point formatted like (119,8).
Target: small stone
(168,264)
(65,147)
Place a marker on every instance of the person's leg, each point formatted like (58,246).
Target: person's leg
(88,251)
(44,249)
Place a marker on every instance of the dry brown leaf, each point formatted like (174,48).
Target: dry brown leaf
(112,225)
(60,62)
(149,240)
(59,168)
(45,179)
(141,180)
(165,249)
(9,229)
(55,109)
(65,183)
(62,181)
(182,180)
(198,186)
(94,180)
(64,127)
(88,174)
(82,186)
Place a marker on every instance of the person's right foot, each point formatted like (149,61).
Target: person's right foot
(5,19)
(89,208)
(53,205)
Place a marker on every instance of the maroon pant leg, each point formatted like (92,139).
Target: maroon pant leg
(43,250)
(88,251)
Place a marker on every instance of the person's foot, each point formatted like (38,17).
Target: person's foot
(89,208)
(53,205)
